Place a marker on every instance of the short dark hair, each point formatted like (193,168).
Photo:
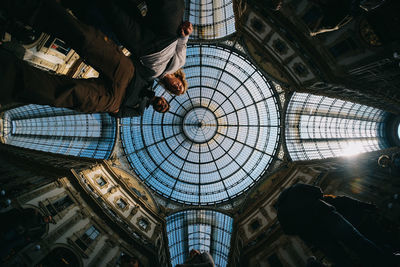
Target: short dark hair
(155,102)
(274,4)
(126,259)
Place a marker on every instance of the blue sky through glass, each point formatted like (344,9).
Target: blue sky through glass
(217,139)
(60,130)
(211,19)
(204,230)
(320,127)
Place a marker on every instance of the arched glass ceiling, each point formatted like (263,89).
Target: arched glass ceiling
(204,230)
(217,139)
(212,19)
(60,131)
(320,127)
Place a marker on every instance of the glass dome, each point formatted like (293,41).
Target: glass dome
(217,139)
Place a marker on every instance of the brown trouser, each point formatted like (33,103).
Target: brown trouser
(20,82)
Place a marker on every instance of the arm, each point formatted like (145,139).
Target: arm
(180,51)
(179,57)
(357,203)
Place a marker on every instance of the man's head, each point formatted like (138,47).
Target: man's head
(193,253)
(128,261)
(160,104)
(175,83)
(384,161)
(274,4)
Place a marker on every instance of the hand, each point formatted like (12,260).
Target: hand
(186,28)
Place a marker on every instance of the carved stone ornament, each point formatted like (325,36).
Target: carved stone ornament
(257,25)
(254,225)
(100,181)
(135,209)
(300,69)
(280,47)
(121,203)
(368,34)
(143,224)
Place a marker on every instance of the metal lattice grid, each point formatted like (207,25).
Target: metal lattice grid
(60,131)
(211,19)
(319,127)
(204,230)
(217,139)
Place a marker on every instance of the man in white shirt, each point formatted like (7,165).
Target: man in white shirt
(156,38)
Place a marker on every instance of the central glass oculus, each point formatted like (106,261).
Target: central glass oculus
(200,125)
(217,140)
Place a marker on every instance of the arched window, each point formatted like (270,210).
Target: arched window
(319,127)
(60,130)
(204,230)
(212,19)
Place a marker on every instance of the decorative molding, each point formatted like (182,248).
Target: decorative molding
(254,221)
(114,259)
(77,235)
(300,69)
(99,176)
(99,258)
(124,200)
(111,191)
(133,212)
(148,226)
(280,47)
(257,25)
(63,228)
(34,194)
(50,201)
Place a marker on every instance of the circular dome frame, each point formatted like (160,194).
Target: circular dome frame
(211,167)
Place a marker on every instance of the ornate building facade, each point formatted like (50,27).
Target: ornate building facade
(268,106)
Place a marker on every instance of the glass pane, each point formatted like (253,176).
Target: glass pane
(211,19)
(204,230)
(321,127)
(217,140)
(60,130)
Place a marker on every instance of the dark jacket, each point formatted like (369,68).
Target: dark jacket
(201,260)
(138,96)
(140,35)
(299,206)
(148,34)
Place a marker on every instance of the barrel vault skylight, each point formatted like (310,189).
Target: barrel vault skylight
(60,130)
(320,127)
(217,139)
(212,19)
(203,230)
